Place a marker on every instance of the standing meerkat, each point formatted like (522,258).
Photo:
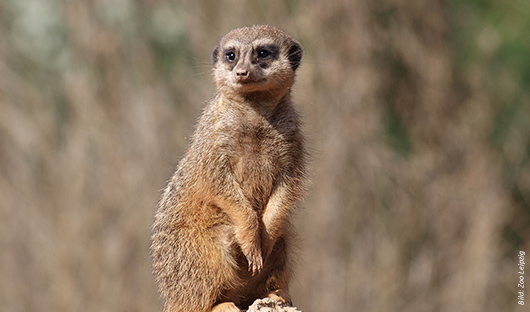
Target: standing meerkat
(222,234)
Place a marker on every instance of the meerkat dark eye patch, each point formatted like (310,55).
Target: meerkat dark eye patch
(267,51)
(230,55)
(263,53)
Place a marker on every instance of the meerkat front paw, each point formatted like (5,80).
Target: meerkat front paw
(255,259)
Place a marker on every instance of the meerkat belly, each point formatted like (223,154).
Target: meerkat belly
(256,167)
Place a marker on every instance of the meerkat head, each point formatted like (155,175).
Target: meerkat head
(256,60)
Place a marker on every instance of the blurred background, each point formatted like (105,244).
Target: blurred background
(417,119)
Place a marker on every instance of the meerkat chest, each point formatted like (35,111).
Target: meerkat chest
(262,152)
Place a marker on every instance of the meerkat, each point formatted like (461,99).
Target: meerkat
(222,235)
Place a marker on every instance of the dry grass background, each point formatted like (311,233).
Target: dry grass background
(416,114)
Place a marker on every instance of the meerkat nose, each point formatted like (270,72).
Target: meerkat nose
(242,74)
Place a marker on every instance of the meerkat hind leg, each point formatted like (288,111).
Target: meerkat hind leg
(281,295)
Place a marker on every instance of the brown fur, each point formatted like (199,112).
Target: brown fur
(222,235)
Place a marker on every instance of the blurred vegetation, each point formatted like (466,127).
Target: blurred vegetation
(417,116)
(492,41)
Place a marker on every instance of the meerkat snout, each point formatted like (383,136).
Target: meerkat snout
(242,72)
(242,75)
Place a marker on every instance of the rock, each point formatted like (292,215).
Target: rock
(269,305)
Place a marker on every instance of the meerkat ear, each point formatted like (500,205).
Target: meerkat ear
(295,55)
(214,55)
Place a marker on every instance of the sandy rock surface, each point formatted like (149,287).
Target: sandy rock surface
(269,305)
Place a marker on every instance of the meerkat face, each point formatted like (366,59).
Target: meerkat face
(256,59)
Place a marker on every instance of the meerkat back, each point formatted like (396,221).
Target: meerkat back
(222,233)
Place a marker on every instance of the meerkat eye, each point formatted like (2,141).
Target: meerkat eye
(263,53)
(230,56)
